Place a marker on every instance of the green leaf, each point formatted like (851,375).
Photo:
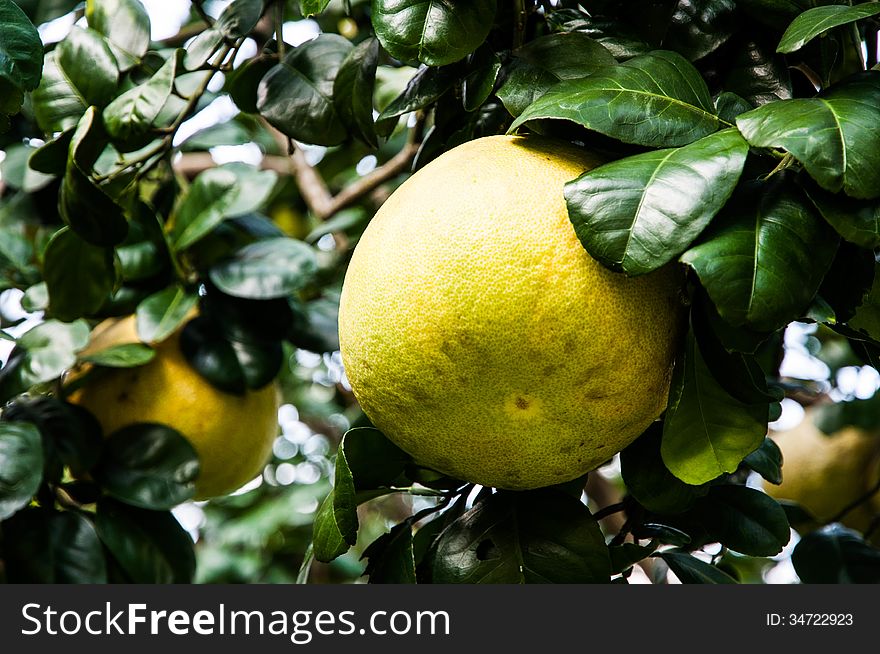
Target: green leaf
(51,349)
(239,18)
(649,481)
(312,7)
(162,313)
(296,95)
(79,276)
(857,221)
(273,268)
(701,27)
(706,432)
(766,461)
(336,523)
(540,64)
(658,99)
(150,546)
(148,465)
(126,355)
(690,570)
(757,74)
(243,82)
(21,465)
(353,91)
(201,48)
(626,555)
(216,194)
(730,105)
(764,256)
(126,25)
(372,460)
(51,158)
(89,65)
(638,213)
(532,537)
(21,50)
(425,87)
(327,540)
(390,557)
(129,118)
(746,520)
(58,105)
(212,355)
(819,20)
(833,135)
(836,555)
(52,548)
(434,33)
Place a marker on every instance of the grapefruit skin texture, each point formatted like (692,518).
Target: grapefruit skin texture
(232,434)
(481,338)
(825,473)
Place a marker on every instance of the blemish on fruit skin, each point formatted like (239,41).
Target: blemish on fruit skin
(521,405)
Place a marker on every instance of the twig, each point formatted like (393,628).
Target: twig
(784,163)
(197,5)
(519,22)
(611,509)
(279,24)
(855,503)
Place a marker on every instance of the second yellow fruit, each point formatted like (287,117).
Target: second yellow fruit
(479,335)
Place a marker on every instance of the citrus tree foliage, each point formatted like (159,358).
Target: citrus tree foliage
(741,142)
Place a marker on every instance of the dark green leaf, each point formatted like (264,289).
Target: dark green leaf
(730,105)
(126,25)
(425,87)
(79,276)
(700,27)
(201,48)
(162,313)
(21,465)
(636,214)
(327,541)
(430,32)
(129,118)
(662,533)
(478,85)
(89,66)
(536,537)
(858,221)
(658,99)
(336,522)
(628,554)
(312,7)
(757,73)
(148,465)
(390,557)
(764,256)
(21,50)
(267,269)
(242,83)
(819,20)
(690,570)
(260,361)
(51,348)
(373,461)
(706,432)
(649,481)
(126,355)
(746,520)
(836,555)
(211,354)
(353,91)
(296,95)
(51,158)
(239,18)
(52,548)
(150,546)
(832,135)
(57,103)
(766,461)
(540,64)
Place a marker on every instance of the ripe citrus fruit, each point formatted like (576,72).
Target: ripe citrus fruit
(232,434)
(825,473)
(480,336)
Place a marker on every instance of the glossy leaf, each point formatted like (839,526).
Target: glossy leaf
(162,313)
(296,95)
(150,546)
(267,269)
(21,465)
(657,99)
(535,537)
(126,25)
(767,461)
(540,64)
(148,465)
(336,523)
(21,50)
(691,570)
(312,7)
(89,65)
(425,87)
(758,74)
(433,33)
(353,91)
(648,479)
(833,135)
(746,520)
(79,276)
(706,432)
(764,256)
(390,557)
(51,348)
(129,118)
(819,20)
(373,461)
(125,355)
(858,221)
(638,213)
(239,18)
(700,27)
(212,355)
(836,555)
(58,105)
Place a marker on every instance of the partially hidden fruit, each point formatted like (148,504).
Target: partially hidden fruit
(826,473)
(479,335)
(231,434)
